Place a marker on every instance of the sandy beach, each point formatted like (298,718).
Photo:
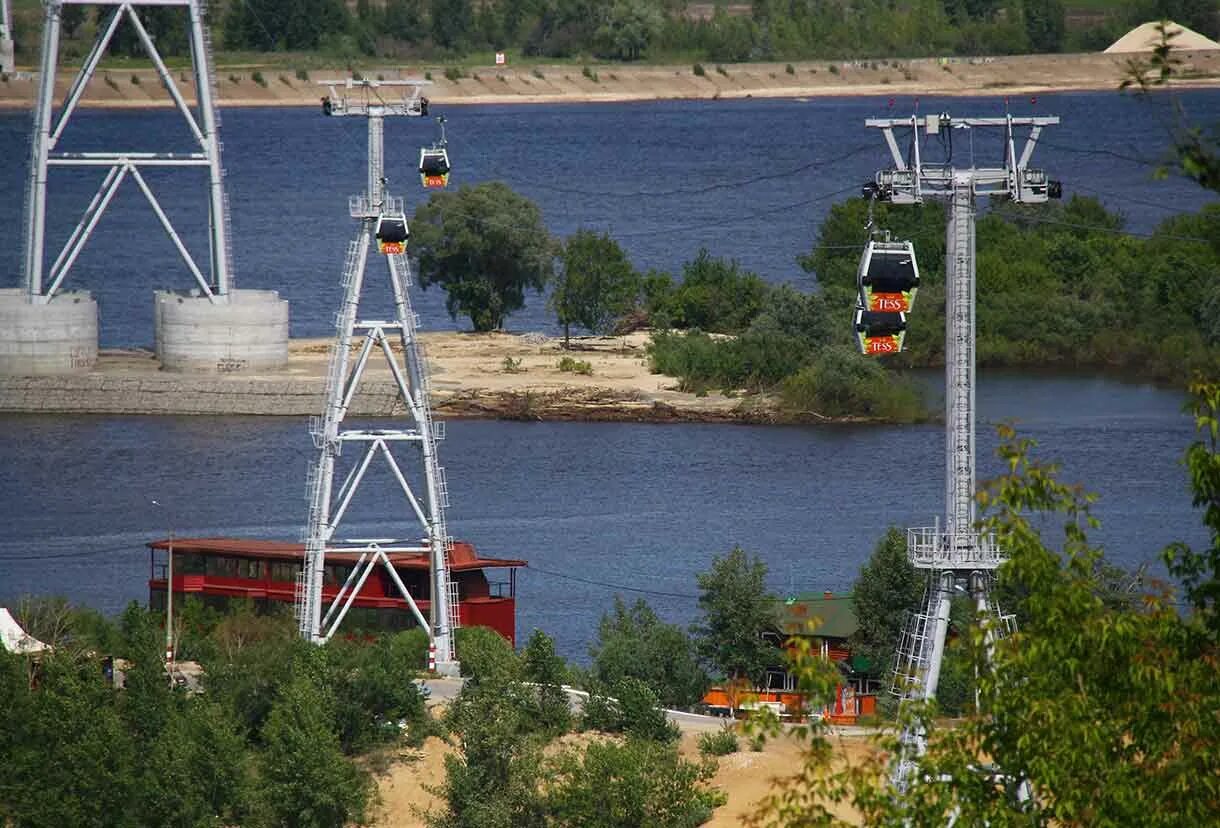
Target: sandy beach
(496,375)
(252,85)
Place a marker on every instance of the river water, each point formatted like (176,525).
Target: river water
(597,509)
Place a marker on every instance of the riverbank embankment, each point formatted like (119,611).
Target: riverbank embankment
(495,375)
(122,85)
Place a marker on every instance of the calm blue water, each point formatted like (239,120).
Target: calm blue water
(642,506)
(638,170)
(638,506)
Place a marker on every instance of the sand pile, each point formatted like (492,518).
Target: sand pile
(1144,38)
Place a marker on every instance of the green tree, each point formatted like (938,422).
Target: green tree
(634,642)
(716,295)
(736,611)
(630,25)
(1107,708)
(887,588)
(304,779)
(1045,24)
(548,673)
(595,286)
(451,23)
(485,246)
(609,785)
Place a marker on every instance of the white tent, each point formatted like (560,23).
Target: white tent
(15,639)
(1144,38)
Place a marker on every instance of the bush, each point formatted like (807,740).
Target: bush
(715,295)
(790,69)
(453,73)
(754,360)
(833,68)
(722,70)
(575,366)
(302,75)
(698,70)
(258,78)
(511,366)
(135,80)
(719,743)
(590,74)
(633,641)
(840,383)
(483,652)
(637,783)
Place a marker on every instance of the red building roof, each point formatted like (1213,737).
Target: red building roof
(462,556)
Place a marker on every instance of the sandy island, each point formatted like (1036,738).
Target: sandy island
(117,86)
(500,375)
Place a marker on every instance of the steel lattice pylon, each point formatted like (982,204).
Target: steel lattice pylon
(48,130)
(957,557)
(410,376)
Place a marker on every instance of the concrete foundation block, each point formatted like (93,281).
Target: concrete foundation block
(246,333)
(58,337)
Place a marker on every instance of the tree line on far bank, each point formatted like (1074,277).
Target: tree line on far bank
(658,30)
(1060,287)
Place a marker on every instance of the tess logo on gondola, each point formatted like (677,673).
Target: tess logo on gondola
(881,345)
(392,248)
(434,181)
(889,302)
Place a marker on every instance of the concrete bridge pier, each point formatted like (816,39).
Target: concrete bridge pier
(247,331)
(53,337)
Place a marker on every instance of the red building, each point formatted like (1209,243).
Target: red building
(828,622)
(218,570)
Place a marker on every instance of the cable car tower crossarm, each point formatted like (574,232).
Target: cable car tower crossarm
(956,556)
(381,219)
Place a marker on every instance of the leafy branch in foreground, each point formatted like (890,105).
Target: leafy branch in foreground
(1110,711)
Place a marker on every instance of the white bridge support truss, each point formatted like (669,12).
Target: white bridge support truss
(42,284)
(957,557)
(357,342)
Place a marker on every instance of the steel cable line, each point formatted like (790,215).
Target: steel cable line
(59,555)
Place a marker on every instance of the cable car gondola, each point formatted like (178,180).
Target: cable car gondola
(880,332)
(392,233)
(434,161)
(888,276)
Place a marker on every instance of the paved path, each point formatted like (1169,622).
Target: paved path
(446,689)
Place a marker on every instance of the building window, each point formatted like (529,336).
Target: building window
(188,564)
(336,574)
(284,571)
(250,569)
(222,567)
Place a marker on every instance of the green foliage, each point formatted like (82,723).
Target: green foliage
(302,75)
(303,778)
(754,361)
(698,70)
(549,674)
(510,365)
(1107,707)
(1056,286)
(629,27)
(840,382)
(628,706)
(634,642)
(611,785)
(715,295)
(258,78)
(271,25)
(454,73)
(719,742)
(485,246)
(575,366)
(590,74)
(887,587)
(735,610)
(484,652)
(596,284)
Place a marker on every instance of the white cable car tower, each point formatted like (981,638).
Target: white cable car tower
(958,554)
(375,209)
(6,38)
(42,287)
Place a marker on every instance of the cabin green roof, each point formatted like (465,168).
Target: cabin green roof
(835,615)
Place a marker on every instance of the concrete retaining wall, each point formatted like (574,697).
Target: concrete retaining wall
(59,337)
(184,394)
